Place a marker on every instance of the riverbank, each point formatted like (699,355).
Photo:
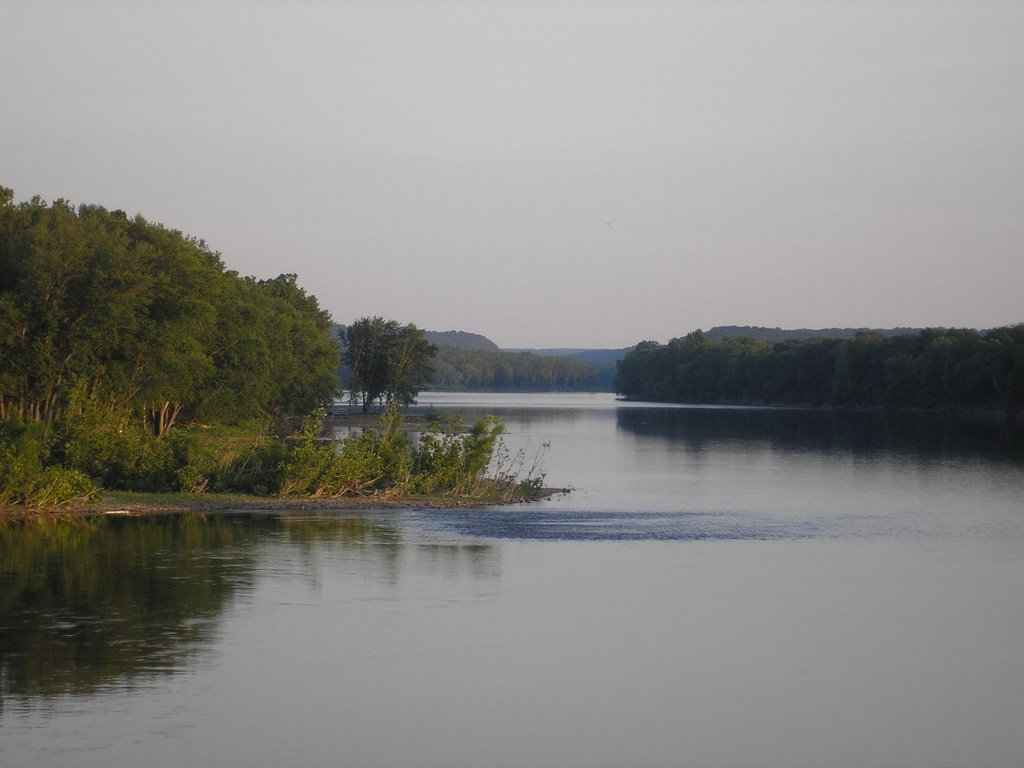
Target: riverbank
(125,503)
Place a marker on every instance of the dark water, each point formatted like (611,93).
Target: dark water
(723,588)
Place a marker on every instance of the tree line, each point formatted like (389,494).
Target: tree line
(934,369)
(465,369)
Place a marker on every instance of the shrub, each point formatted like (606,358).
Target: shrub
(24,478)
(244,458)
(377,459)
(123,455)
(514,478)
(449,460)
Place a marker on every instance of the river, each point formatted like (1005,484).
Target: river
(722,587)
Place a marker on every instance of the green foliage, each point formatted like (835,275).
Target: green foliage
(24,477)
(114,330)
(382,452)
(448,459)
(130,355)
(933,369)
(126,456)
(311,468)
(137,320)
(303,353)
(240,458)
(518,476)
(376,459)
(474,463)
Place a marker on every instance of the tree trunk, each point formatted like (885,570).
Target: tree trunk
(164,416)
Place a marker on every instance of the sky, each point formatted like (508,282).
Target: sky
(550,174)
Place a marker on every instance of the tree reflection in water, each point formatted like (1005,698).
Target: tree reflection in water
(925,435)
(110,601)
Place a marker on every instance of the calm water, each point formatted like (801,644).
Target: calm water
(723,587)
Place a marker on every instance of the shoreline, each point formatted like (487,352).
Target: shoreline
(993,413)
(129,504)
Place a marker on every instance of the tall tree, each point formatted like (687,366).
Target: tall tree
(390,362)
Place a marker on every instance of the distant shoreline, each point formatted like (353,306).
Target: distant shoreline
(974,412)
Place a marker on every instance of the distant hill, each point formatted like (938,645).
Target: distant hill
(462,340)
(760,333)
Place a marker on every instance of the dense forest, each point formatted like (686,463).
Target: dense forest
(468,369)
(943,369)
(604,359)
(126,319)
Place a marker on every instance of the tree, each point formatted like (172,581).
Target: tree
(304,355)
(390,362)
(934,369)
(410,365)
(127,320)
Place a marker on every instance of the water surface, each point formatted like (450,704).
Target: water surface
(723,587)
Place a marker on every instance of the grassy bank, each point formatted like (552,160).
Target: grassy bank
(94,465)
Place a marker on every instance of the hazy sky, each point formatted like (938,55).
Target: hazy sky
(551,173)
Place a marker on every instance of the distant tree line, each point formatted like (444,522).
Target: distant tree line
(945,369)
(464,369)
(761,333)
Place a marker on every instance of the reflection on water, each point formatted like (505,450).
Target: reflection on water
(88,603)
(924,435)
(112,601)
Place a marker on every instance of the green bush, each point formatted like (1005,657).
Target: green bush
(375,460)
(449,460)
(310,468)
(126,456)
(242,458)
(24,476)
